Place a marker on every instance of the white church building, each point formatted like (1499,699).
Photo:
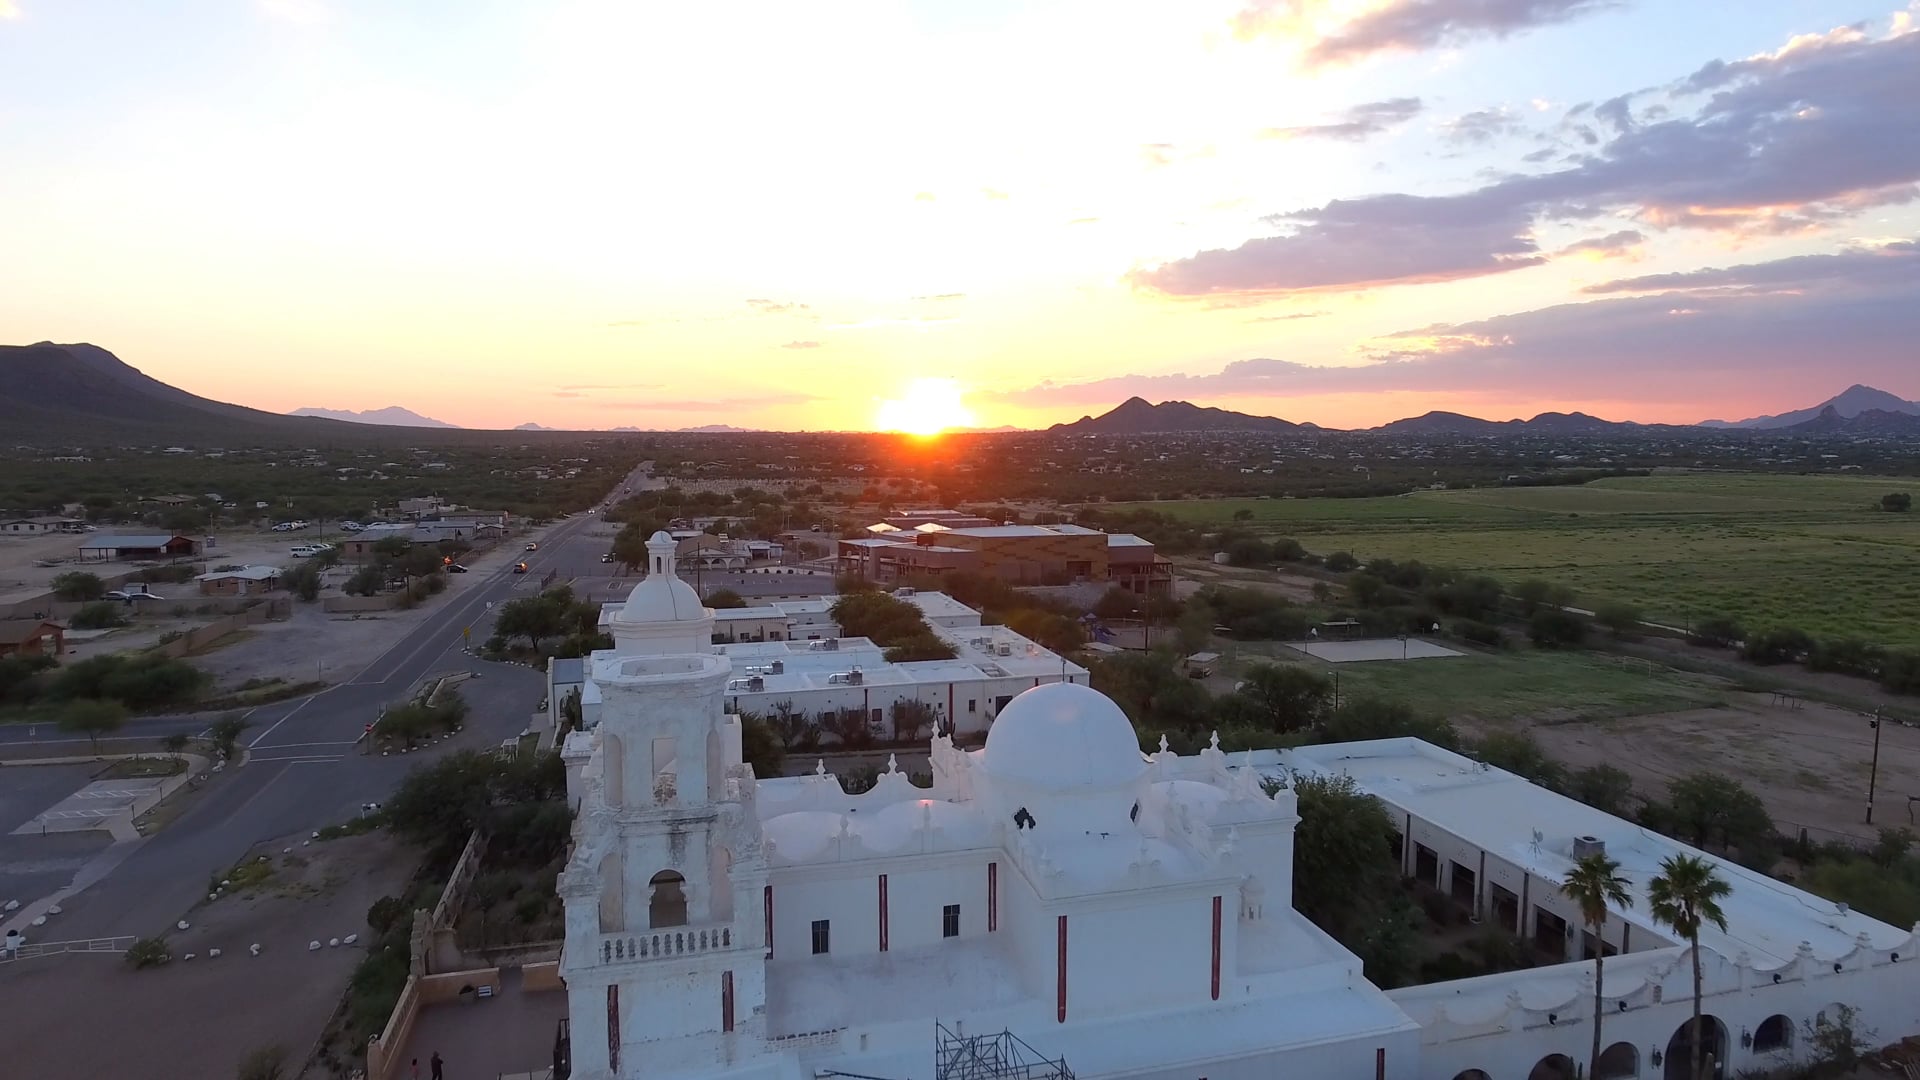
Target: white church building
(1059,904)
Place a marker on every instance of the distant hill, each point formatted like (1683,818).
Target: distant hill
(1867,423)
(1848,403)
(718,429)
(531,426)
(1137,416)
(83,395)
(1547,423)
(391,416)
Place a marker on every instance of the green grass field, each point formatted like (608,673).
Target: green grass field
(1809,551)
(1534,685)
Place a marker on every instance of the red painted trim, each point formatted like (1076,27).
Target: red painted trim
(766,902)
(993,897)
(726,1001)
(1061,1008)
(613,1027)
(1380,1063)
(883,913)
(1216,948)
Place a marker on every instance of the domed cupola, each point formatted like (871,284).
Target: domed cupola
(1067,756)
(663,616)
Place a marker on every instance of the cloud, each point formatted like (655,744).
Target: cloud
(605,387)
(1624,244)
(1356,124)
(1888,264)
(1289,317)
(1806,320)
(1784,142)
(801,345)
(1401,25)
(777,307)
(1482,126)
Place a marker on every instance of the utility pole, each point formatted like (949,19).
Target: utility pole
(1873,773)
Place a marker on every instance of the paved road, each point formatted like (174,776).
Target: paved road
(303,769)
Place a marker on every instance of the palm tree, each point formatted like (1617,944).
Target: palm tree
(1684,896)
(1593,884)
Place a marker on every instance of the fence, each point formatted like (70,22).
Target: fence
(57,948)
(200,637)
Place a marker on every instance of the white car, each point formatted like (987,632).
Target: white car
(351,526)
(308,551)
(129,597)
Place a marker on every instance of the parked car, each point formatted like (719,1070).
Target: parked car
(520,568)
(129,597)
(608,557)
(455,568)
(533,547)
(351,526)
(308,551)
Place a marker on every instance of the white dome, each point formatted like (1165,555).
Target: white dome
(1064,737)
(662,597)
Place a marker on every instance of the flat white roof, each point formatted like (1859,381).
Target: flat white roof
(1498,812)
(247,573)
(938,605)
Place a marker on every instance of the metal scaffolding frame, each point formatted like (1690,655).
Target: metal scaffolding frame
(996,1056)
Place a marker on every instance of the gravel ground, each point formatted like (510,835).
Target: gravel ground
(92,1015)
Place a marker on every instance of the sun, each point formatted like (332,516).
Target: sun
(927,407)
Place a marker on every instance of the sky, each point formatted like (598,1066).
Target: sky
(605,213)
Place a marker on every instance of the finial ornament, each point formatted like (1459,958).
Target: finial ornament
(1163,742)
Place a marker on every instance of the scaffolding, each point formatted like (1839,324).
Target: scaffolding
(997,1056)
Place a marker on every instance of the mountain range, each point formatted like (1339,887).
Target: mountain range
(391,416)
(1138,416)
(70,394)
(1848,403)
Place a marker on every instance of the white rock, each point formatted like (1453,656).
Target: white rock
(254,949)
(224,882)
(286,851)
(12,905)
(213,896)
(211,953)
(181,925)
(350,939)
(189,956)
(53,909)
(315,836)
(305,843)
(333,943)
(39,920)
(313,946)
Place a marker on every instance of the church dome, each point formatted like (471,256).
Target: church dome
(662,597)
(1064,737)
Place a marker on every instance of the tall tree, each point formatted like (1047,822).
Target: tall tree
(1593,884)
(93,717)
(1685,896)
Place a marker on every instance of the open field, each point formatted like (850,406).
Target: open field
(1809,551)
(1543,687)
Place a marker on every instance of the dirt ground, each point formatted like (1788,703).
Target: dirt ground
(1808,764)
(92,1015)
(1195,574)
(276,649)
(20,578)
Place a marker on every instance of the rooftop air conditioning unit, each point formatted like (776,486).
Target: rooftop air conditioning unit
(1004,648)
(904,593)
(778,667)
(832,644)
(756,684)
(854,678)
(1584,846)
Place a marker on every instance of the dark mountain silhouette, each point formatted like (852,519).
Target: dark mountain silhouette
(1867,423)
(83,395)
(1848,403)
(1443,423)
(391,416)
(1137,416)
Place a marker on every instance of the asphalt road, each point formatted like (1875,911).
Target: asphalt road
(303,769)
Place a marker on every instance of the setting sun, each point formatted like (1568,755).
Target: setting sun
(928,407)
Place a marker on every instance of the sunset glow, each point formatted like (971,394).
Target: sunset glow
(926,407)
(599,214)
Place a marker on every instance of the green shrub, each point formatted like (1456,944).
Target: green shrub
(148,952)
(78,585)
(99,615)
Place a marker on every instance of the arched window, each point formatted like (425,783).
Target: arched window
(1680,1048)
(1553,1067)
(1774,1033)
(1472,1074)
(667,900)
(1619,1062)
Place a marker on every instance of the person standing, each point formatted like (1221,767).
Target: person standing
(437,1065)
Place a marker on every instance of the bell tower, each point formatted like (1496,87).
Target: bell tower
(665,944)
